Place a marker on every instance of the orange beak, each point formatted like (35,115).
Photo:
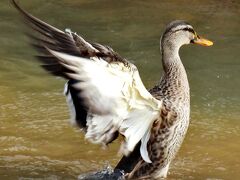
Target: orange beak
(201,41)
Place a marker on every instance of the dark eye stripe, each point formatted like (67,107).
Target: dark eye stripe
(188,29)
(183,29)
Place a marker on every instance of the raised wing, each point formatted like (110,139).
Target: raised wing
(105,92)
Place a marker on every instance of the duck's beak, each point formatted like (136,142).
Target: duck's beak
(201,41)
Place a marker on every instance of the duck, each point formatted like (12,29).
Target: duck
(107,98)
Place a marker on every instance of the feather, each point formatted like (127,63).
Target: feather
(105,93)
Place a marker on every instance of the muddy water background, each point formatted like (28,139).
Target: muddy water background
(36,140)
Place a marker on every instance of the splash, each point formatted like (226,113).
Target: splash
(107,173)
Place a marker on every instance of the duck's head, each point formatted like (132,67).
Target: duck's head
(179,33)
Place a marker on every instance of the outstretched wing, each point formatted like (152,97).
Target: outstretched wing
(105,93)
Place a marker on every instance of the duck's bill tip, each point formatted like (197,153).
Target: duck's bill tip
(203,41)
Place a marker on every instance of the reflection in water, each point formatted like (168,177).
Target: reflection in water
(35,138)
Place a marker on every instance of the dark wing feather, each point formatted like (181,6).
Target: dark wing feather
(65,42)
(127,163)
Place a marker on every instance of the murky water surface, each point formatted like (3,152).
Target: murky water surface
(36,140)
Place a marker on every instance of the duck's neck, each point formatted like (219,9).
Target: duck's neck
(174,76)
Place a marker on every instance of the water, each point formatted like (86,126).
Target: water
(36,140)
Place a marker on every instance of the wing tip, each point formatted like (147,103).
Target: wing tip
(16,5)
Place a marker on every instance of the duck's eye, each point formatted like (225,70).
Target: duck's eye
(195,37)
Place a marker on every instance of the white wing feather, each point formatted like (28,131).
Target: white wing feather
(117,100)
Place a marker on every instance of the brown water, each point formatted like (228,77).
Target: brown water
(36,140)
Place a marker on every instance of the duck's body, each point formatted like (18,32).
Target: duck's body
(107,97)
(167,135)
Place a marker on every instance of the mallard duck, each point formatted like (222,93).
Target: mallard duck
(107,98)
